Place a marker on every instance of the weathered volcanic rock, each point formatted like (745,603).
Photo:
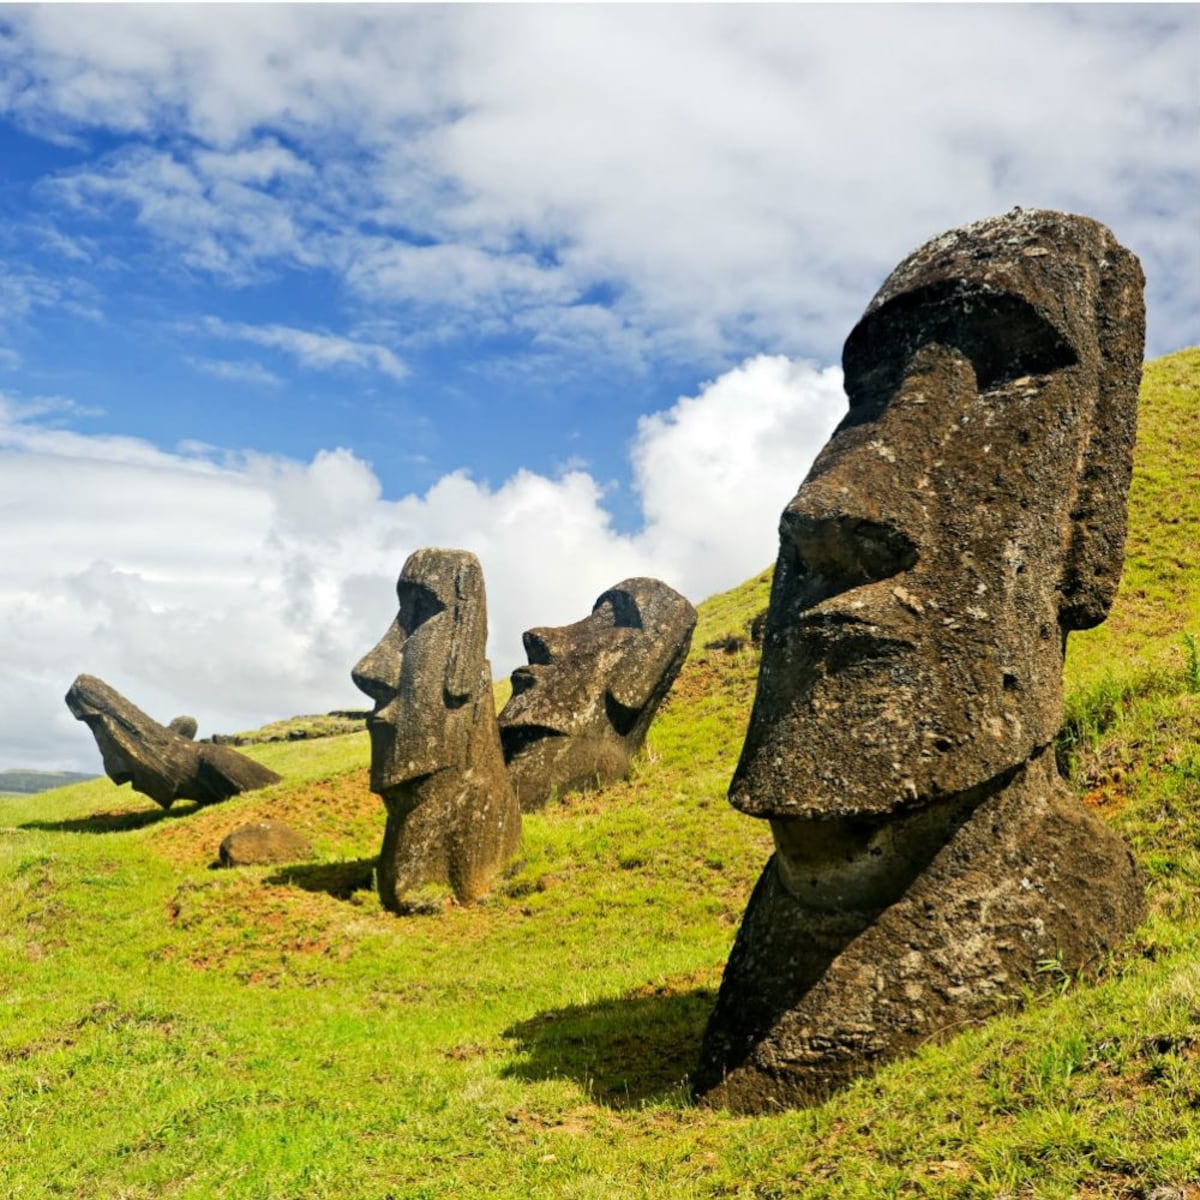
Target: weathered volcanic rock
(184,726)
(435,748)
(580,710)
(967,514)
(157,761)
(263,842)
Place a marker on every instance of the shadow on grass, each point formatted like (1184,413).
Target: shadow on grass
(626,1052)
(116,821)
(340,880)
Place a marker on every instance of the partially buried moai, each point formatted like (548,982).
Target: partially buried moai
(581,708)
(452,818)
(968,513)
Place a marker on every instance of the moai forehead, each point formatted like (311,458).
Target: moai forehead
(1022,294)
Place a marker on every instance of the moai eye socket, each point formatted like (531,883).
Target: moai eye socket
(417,604)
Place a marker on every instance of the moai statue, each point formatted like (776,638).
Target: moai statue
(967,514)
(580,710)
(160,762)
(452,818)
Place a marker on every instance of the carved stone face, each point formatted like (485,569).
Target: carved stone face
(115,740)
(582,705)
(954,529)
(425,668)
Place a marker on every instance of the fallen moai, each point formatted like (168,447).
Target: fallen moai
(967,514)
(580,710)
(435,747)
(158,761)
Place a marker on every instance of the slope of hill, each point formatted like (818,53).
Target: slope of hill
(174,1031)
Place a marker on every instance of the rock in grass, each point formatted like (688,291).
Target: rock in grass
(581,708)
(968,513)
(264,842)
(185,727)
(157,761)
(435,748)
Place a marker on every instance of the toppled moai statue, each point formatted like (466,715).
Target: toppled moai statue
(580,710)
(160,762)
(967,514)
(435,748)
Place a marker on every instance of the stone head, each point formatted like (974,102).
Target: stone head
(426,669)
(132,746)
(591,689)
(967,514)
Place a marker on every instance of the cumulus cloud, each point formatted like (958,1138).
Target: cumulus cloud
(714,472)
(242,587)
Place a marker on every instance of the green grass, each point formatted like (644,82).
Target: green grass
(167,1030)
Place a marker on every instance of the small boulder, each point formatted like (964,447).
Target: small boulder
(262,843)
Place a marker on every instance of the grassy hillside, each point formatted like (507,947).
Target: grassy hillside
(173,1031)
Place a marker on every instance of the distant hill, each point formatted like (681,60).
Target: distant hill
(28,783)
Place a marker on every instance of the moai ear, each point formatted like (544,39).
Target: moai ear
(1096,553)
(468,635)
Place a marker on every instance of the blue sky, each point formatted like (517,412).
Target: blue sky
(289,291)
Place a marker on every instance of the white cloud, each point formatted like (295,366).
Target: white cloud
(714,473)
(735,176)
(243,588)
(235,372)
(321,351)
(216,223)
(457,276)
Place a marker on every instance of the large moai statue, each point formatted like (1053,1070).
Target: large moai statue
(162,762)
(967,514)
(452,818)
(580,710)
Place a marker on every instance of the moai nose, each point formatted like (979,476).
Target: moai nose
(377,673)
(846,550)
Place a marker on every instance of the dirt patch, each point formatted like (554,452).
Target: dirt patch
(339,815)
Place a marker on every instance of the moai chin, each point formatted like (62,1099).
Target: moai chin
(581,708)
(967,514)
(435,747)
